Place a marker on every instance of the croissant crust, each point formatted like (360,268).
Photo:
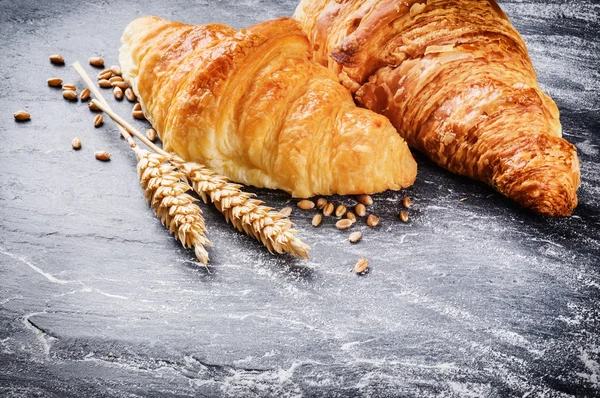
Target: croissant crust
(253,106)
(454,77)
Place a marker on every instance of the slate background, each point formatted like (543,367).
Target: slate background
(472,298)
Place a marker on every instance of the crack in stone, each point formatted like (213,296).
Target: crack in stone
(43,336)
(46,234)
(229,367)
(41,329)
(9,299)
(187,370)
(34,267)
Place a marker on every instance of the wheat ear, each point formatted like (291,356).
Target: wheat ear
(271,228)
(165,189)
(246,214)
(166,193)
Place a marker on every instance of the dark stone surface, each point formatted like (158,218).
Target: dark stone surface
(472,298)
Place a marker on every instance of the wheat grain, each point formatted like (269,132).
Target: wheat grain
(105,74)
(55,81)
(96,61)
(116,69)
(350,216)
(22,116)
(328,209)
(306,204)
(365,199)
(57,59)
(102,156)
(372,220)
(70,95)
(151,134)
(355,237)
(85,94)
(343,224)
(340,211)
(360,210)
(321,203)
(118,93)
(362,266)
(406,202)
(404,216)
(166,193)
(316,221)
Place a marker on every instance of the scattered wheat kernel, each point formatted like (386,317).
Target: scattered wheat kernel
(138,115)
(406,202)
(96,61)
(105,74)
(343,224)
(350,216)
(55,81)
(340,211)
(98,121)
(104,83)
(115,79)
(361,266)
(306,204)
(57,59)
(321,203)
(70,95)
(116,69)
(69,86)
(137,107)
(355,237)
(286,211)
(93,107)
(122,85)
(102,155)
(404,216)
(22,116)
(76,143)
(328,209)
(118,93)
(316,221)
(130,95)
(365,199)
(85,94)
(151,134)
(372,220)
(360,210)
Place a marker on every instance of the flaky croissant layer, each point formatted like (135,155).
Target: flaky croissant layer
(253,106)
(455,79)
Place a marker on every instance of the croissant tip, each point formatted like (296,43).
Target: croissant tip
(555,202)
(556,210)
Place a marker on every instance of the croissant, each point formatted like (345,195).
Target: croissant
(253,106)
(455,79)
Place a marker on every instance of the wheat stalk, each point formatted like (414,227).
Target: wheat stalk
(271,228)
(274,230)
(165,189)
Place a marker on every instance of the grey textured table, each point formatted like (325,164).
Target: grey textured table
(471,298)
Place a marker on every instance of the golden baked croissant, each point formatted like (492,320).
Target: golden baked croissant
(455,79)
(253,106)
